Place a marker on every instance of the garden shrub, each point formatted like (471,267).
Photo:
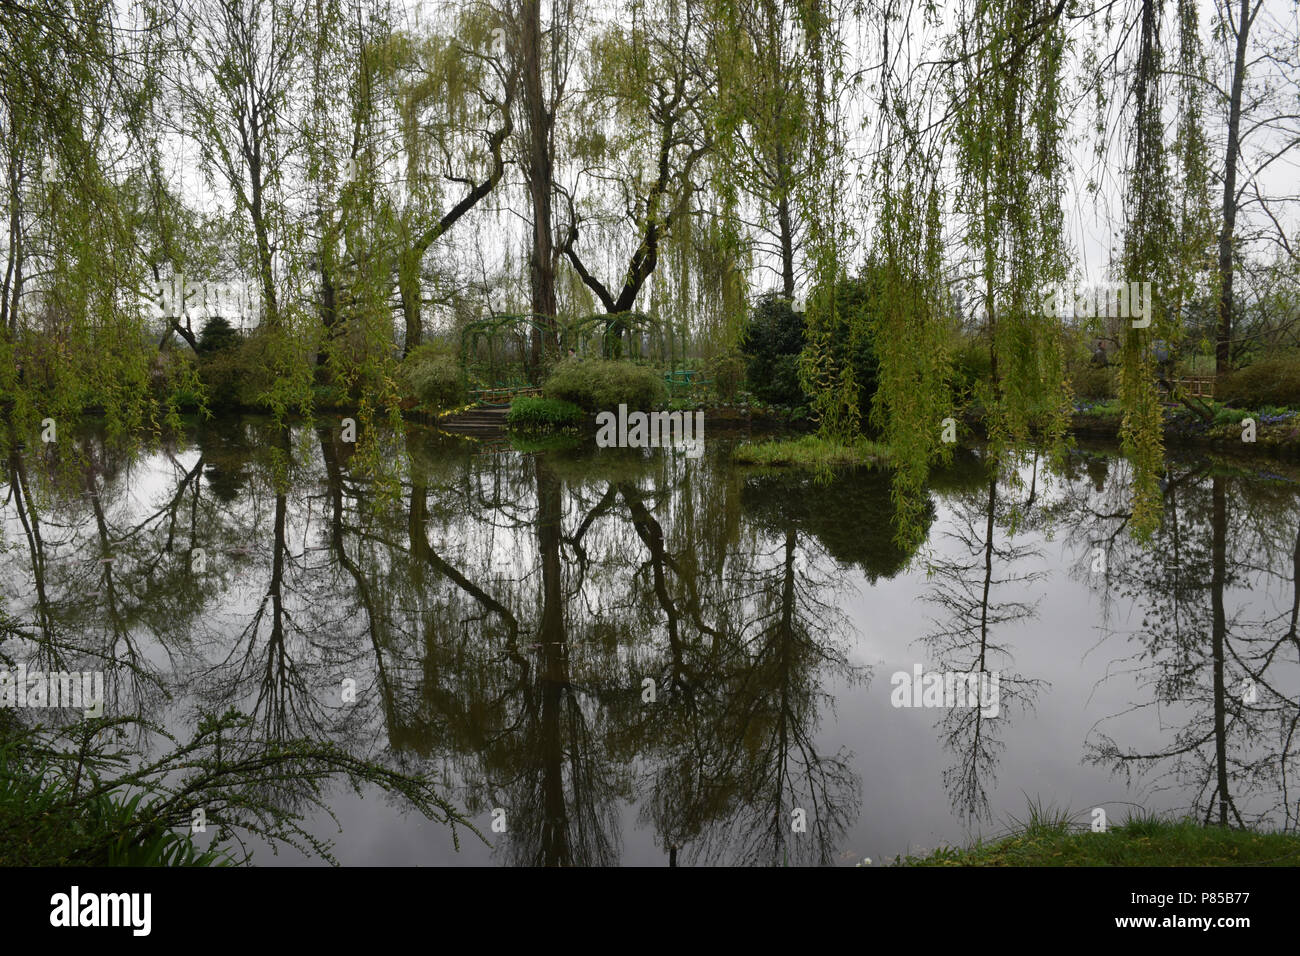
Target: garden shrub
(727,369)
(1229,416)
(603,384)
(529,413)
(432,376)
(1270,380)
(239,375)
(1091,382)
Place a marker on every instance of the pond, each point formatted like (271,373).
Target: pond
(617,656)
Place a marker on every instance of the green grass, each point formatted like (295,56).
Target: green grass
(810,451)
(531,414)
(1055,841)
(1108,408)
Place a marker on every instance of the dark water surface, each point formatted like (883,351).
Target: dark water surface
(500,611)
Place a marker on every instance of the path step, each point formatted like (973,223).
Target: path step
(477,421)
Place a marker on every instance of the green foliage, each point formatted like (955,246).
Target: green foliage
(972,368)
(44,823)
(75,797)
(532,414)
(810,451)
(1269,380)
(1093,383)
(432,376)
(1230,416)
(238,376)
(217,334)
(771,340)
(727,370)
(603,384)
(913,331)
(839,366)
(1010,169)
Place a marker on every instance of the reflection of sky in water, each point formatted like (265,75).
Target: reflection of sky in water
(1080,641)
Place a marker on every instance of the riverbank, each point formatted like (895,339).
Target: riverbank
(1267,430)
(1136,843)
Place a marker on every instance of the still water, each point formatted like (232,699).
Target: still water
(633,656)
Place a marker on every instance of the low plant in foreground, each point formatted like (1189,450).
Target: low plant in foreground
(76,796)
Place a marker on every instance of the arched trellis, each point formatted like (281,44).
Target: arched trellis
(636,334)
(494,329)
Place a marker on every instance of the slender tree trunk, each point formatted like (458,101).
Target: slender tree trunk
(261,234)
(1223,334)
(787,247)
(14,265)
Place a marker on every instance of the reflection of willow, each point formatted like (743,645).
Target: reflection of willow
(276,665)
(505,689)
(1205,658)
(733,740)
(115,587)
(562,793)
(532,684)
(102,574)
(964,641)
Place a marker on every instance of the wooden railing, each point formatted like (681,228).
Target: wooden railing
(503,394)
(1199,386)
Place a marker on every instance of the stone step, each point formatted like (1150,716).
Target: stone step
(477,421)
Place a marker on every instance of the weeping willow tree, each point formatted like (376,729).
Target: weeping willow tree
(452,90)
(354,255)
(832,383)
(641,149)
(913,324)
(1169,230)
(236,88)
(1008,125)
(71,320)
(762,128)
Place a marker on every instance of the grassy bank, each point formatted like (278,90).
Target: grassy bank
(810,451)
(1135,843)
(1277,429)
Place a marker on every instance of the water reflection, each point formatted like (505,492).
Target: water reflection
(1217,649)
(983,578)
(600,642)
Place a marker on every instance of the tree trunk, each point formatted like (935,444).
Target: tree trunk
(1223,334)
(408,287)
(785,225)
(541,271)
